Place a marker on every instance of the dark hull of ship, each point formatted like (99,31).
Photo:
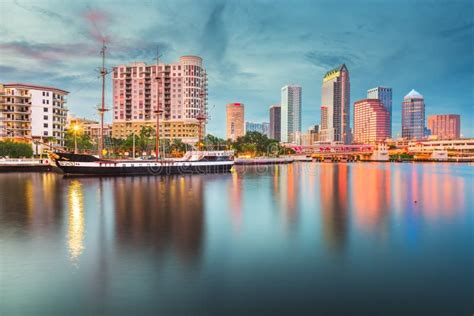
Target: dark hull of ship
(145,170)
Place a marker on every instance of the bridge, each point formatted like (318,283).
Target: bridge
(340,152)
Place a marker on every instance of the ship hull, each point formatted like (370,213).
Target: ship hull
(144,169)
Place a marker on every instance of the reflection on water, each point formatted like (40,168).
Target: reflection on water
(76,220)
(334,203)
(221,243)
(160,213)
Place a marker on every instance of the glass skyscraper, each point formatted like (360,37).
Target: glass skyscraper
(275,122)
(413,116)
(335,106)
(385,95)
(290,113)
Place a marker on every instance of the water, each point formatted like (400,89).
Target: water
(319,239)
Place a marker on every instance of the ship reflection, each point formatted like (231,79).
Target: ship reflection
(334,204)
(160,213)
(76,220)
(32,203)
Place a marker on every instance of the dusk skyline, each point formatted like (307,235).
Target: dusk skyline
(251,50)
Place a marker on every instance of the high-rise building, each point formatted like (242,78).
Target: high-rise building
(180,87)
(310,137)
(235,120)
(335,106)
(413,116)
(445,126)
(290,113)
(384,94)
(31,112)
(275,122)
(262,128)
(371,121)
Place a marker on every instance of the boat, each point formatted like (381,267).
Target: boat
(25,165)
(193,162)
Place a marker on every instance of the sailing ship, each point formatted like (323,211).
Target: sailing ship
(193,162)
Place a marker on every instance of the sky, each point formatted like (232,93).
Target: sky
(250,49)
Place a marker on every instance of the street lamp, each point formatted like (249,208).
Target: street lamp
(75,128)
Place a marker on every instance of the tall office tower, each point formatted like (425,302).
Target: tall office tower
(275,122)
(235,120)
(413,116)
(31,112)
(335,106)
(290,113)
(180,87)
(371,121)
(445,126)
(385,95)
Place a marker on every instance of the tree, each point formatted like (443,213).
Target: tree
(84,142)
(15,150)
(257,144)
(212,142)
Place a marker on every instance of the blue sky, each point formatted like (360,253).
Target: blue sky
(251,49)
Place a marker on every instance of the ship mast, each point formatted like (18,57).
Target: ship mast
(102,109)
(202,119)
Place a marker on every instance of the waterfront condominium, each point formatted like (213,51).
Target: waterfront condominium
(262,128)
(31,112)
(384,94)
(290,113)
(177,92)
(335,106)
(275,122)
(234,120)
(445,126)
(413,116)
(371,122)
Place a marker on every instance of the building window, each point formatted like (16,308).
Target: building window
(45,109)
(45,133)
(45,125)
(45,117)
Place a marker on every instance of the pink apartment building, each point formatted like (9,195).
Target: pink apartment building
(445,126)
(371,122)
(181,88)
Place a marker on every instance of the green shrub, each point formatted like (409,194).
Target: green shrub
(15,150)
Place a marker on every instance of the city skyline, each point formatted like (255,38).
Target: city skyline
(65,61)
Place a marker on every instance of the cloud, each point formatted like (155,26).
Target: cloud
(214,37)
(461,29)
(328,60)
(42,52)
(48,13)
(6,70)
(97,22)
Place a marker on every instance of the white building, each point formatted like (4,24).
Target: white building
(463,144)
(33,112)
(290,113)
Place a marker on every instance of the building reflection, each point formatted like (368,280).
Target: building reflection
(235,200)
(162,213)
(371,196)
(31,202)
(291,180)
(334,199)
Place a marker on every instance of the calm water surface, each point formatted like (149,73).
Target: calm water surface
(316,239)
